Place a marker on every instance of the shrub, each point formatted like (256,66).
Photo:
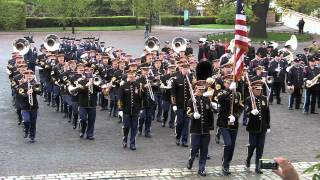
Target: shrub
(12,15)
(36,22)
(194,20)
(227,14)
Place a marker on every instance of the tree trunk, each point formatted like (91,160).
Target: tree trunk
(258,28)
(150,14)
(72,26)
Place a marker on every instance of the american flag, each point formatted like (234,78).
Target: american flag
(241,39)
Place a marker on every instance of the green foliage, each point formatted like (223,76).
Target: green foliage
(272,36)
(303,6)
(12,15)
(315,170)
(194,20)
(37,22)
(227,14)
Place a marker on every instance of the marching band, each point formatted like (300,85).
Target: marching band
(168,85)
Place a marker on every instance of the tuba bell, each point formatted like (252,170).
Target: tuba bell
(152,44)
(179,44)
(270,79)
(52,42)
(21,46)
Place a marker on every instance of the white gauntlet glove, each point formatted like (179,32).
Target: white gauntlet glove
(174,108)
(232,119)
(196,115)
(214,105)
(120,114)
(254,112)
(233,86)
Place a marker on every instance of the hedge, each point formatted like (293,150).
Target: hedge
(194,20)
(12,15)
(36,22)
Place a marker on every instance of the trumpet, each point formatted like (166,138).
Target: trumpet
(312,82)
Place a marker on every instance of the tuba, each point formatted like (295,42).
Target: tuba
(179,44)
(152,44)
(21,46)
(52,42)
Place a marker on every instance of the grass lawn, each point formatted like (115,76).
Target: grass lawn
(272,36)
(213,26)
(106,28)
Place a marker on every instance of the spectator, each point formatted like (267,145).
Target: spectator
(286,170)
(301,25)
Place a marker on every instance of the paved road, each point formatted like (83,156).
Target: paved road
(58,148)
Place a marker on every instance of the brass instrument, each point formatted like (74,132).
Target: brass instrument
(269,79)
(22,46)
(149,85)
(152,44)
(30,95)
(312,82)
(193,98)
(106,89)
(179,44)
(52,42)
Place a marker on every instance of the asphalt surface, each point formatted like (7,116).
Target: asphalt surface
(59,149)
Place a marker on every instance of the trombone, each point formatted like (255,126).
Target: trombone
(193,98)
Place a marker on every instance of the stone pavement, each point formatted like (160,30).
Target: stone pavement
(59,150)
(238,173)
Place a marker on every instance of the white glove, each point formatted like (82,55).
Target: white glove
(208,94)
(122,83)
(268,130)
(162,86)
(233,86)
(196,115)
(174,108)
(255,112)
(214,105)
(120,113)
(232,119)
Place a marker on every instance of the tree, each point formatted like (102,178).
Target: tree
(258,27)
(68,10)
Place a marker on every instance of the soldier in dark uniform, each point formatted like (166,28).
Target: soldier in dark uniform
(295,81)
(31,56)
(166,86)
(277,69)
(103,71)
(87,104)
(157,72)
(49,64)
(56,79)
(75,79)
(311,93)
(129,104)
(113,94)
(189,49)
(147,103)
(228,119)
(203,49)
(200,126)
(262,50)
(259,123)
(166,47)
(180,94)
(28,91)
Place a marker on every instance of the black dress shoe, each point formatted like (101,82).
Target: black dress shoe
(32,140)
(81,135)
(189,165)
(124,144)
(148,136)
(208,157)
(133,148)
(225,171)
(258,171)
(247,164)
(184,145)
(314,113)
(290,108)
(178,142)
(217,140)
(90,138)
(25,135)
(202,173)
